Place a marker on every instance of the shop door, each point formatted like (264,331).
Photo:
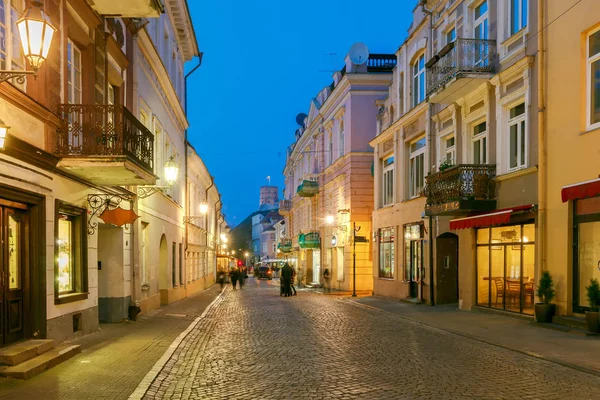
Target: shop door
(13,259)
(447,268)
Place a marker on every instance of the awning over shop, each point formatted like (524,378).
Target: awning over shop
(497,217)
(581,190)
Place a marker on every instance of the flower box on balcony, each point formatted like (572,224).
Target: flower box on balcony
(308,188)
(310,240)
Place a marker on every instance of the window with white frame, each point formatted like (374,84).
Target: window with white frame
(342,139)
(479,143)
(517,138)
(11,52)
(418,87)
(448,146)
(593,76)
(416,167)
(518,15)
(480,31)
(73,73)
(388,181)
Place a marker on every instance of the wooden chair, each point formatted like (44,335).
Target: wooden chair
(499,282)
(513,290)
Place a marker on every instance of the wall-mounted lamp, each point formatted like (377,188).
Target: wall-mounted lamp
(171,171)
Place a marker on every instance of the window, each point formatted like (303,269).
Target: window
(342,143)
(586,224)
(451,36)
(517,143)
(386,253)
(449,148)
(593,73)
(518,15)
(330,148)
(480,32)
(417,168)
(506,267)
(11,52)
(70,253)
(388,181)
(73,73)
(479,138)
(418,89)
(413,249)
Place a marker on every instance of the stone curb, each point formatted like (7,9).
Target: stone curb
(146,382)
(479,339)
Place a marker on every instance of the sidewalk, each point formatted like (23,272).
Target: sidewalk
(114,360)
(574,351)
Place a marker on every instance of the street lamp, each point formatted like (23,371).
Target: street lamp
(3,129)
(171,170)
(204,208)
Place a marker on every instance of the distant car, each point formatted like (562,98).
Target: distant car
(265,272)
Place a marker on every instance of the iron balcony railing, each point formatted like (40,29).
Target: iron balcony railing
(103,130)
(461,182)
(381,62)
(463,56)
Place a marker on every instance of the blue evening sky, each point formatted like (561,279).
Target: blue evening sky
(263,63)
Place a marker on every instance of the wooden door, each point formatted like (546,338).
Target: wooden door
(13,259)
(447,268)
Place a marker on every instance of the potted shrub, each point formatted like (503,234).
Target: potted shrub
(593,295)
(544,311)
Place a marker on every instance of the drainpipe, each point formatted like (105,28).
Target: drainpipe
(542,153)
(187,190)
(212,183)
(431,162)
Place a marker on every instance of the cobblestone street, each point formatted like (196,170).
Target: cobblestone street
(253,344)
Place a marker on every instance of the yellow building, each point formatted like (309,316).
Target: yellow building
(571,243)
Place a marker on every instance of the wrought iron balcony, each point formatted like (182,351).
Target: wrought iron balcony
(310,240)
(464,58)
(308,188)
(285,207)
(461,188)
(129,8)
(285,245)
(105,144)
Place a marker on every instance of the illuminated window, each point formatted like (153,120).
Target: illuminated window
(70,251)
(386,253)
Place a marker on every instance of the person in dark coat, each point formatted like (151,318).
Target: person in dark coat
(242,277)
(286,276)
(293,280)
(234,275)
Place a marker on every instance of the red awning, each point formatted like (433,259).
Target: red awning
(581,190)
(497,217)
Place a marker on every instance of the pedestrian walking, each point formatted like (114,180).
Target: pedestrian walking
(286,276)
(326,281)
(293,280)
(234,275)
(242,278)
(221,279)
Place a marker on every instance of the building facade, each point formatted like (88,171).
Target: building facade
(456,161)
(329,186)
(570,139)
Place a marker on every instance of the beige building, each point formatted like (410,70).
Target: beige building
(329,186)
(571,87)
(456,159)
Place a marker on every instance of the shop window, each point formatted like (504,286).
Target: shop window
(506,267)
(70,252)
(413,252)
(386,253)
(586,251)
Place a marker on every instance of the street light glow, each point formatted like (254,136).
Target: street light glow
(329,219)
(203,208)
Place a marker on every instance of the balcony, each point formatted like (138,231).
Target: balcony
(461,189)
(459,68)
(285,245)
(310,240)
(381,62)
(129,8)
(308,188)
(285,207)
(105,145)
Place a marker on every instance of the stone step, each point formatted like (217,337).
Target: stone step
(573,322)
(41,363)
(20,352)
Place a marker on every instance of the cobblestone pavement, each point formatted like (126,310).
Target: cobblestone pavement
(254,344)
(113,360)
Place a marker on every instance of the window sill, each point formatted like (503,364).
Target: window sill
(591,129)
(70,298)
(516,173)
(382,278)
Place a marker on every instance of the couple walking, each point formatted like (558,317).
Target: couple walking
(237,275)
(288,275)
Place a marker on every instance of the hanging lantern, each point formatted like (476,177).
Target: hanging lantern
(36,31)
(171,171)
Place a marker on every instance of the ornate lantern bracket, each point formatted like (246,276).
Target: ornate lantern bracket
(99,202)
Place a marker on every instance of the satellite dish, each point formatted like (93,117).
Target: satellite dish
(300,118)
(359,53)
